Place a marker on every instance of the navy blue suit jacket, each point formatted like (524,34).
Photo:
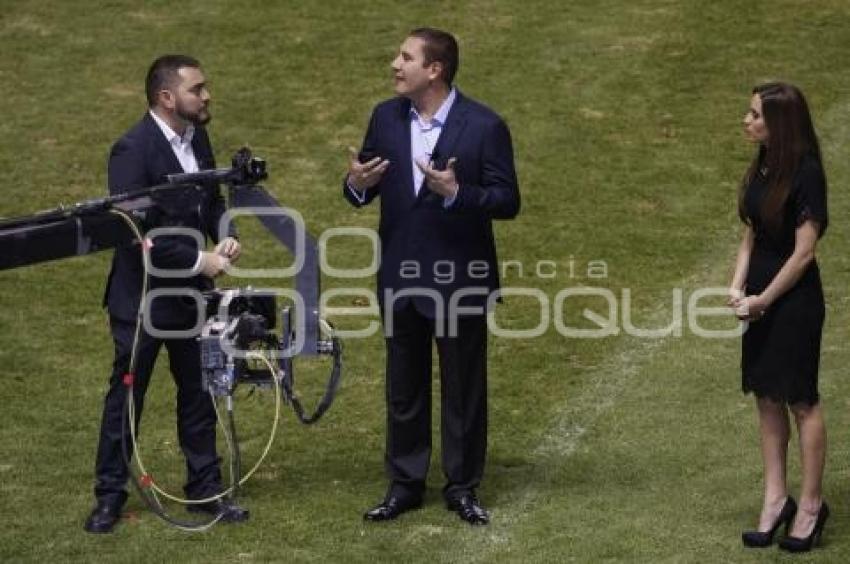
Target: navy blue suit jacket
(139,159)
(418,229)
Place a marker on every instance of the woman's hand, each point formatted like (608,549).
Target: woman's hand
(734,297)
(750,308)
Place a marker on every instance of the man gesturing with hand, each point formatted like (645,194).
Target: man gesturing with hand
(444,169)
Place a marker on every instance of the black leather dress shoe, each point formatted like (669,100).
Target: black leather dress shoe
(228,509)
(391,508)
(103,518)
(469,509)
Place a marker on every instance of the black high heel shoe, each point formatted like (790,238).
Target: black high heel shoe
(794,544)
(761,539)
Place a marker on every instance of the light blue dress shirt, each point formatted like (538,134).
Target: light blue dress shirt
(423,138)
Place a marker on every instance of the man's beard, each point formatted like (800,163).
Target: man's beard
(201,117)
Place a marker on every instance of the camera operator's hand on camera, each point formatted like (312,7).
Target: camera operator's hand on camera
(442,182)
(365,175)
(213,264)
(229,248)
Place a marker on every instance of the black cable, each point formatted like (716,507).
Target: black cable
(330,390)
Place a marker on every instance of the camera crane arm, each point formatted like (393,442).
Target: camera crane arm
(90,226)
(99,224)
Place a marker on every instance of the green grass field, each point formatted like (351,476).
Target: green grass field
(626,124)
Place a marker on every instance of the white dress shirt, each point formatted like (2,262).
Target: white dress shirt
(182,147)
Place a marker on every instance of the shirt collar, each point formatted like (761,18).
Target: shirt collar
(442,113)
(170,134)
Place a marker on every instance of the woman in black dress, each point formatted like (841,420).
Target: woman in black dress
(776,288)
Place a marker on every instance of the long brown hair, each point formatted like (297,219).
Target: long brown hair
(791,136)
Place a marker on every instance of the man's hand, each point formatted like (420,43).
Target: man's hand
(213,264)
(365,175)
(229,248)
(442,182)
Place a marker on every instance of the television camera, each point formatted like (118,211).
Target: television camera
(237,339)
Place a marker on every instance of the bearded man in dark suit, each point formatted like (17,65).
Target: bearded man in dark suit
(170,138)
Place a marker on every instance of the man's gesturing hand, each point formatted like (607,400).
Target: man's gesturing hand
(442,182)
(365,175)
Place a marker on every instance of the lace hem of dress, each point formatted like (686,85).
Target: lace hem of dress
(775,397)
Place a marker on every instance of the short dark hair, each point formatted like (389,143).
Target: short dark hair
(163,73)
(441,47)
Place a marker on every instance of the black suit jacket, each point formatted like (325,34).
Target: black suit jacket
(418,229)
(139,159)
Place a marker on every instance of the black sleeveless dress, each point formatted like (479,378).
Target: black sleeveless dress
(781,350)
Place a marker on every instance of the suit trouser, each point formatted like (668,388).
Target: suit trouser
(463,386)
(196,417)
